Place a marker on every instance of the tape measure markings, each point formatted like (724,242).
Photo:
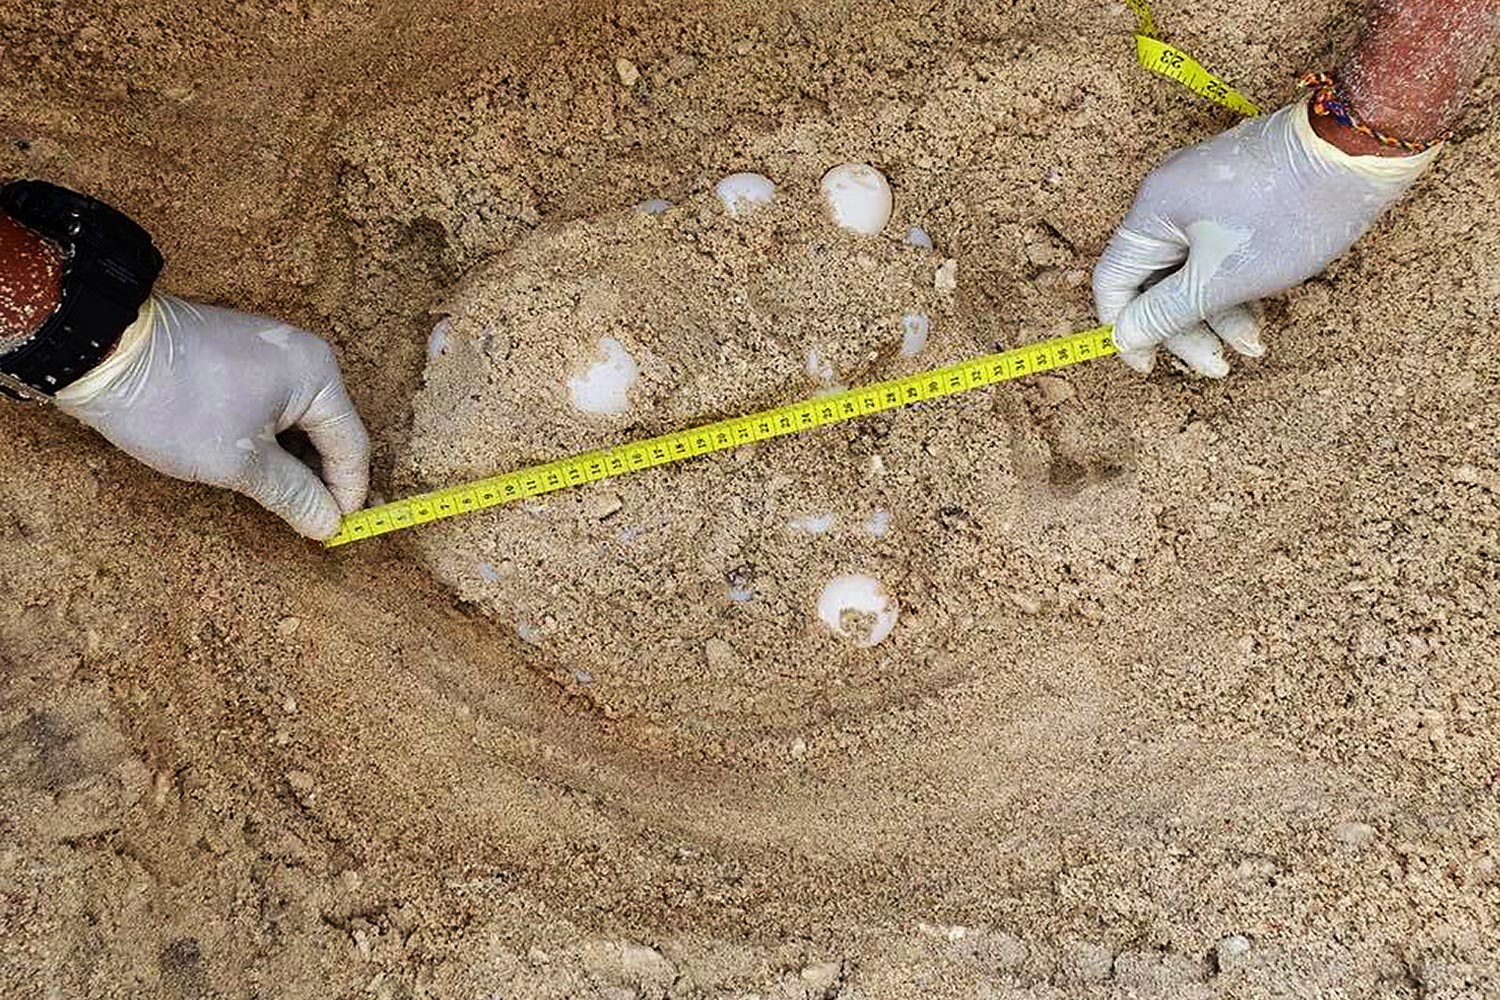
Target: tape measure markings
(1170,61)
(725,435)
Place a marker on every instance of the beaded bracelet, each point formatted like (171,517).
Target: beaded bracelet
(1330,100)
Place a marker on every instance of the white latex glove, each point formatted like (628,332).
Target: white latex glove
(200,393)
(1249,213)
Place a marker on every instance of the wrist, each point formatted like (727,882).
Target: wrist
(124,361)
(102,266)
(1347,140)
(1390,172)
(1339,118)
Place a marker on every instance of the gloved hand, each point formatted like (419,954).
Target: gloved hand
(200,394)
(1252,212)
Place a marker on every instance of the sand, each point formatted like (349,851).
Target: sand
(1181,667)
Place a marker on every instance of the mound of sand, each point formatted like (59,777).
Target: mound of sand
(692,595)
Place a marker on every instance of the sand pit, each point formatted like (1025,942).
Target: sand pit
(695,597)
(1191,688)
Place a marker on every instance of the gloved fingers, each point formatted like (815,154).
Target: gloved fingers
(334,427)
(1130,263)
(1171,307)
(1200,350)
(288,489)
(1141,361)
(1239,327)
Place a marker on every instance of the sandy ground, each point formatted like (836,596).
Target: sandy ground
(1177,662)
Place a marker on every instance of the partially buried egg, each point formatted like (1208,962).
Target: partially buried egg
(859,198)
(605,387)
(744,193)
(857,608)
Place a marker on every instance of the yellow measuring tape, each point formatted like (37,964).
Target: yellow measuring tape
(726,434)
(1159,57)
(610,463)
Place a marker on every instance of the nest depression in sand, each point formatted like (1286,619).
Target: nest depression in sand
(788,577)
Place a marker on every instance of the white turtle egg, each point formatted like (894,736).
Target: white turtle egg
(656,206)
(857,607)
(917,237)
(744,193)
(437,342)
(859,198)
(605,387)
(819,367)
(813,524)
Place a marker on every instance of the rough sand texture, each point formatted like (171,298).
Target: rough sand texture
(1187,660)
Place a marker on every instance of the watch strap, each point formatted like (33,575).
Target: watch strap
(109,268)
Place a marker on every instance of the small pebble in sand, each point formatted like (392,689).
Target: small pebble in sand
(627,71)
(1086,962)
(915,329)
(1231,952)
(1055,391)
(602,505)
(529,633)
(605,388)
(744,193)
(719,655)
(946,279)
(918,237)
(822,977)
(859,198)
(857,607)
(741,581)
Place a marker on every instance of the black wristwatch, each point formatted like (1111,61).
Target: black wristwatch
(109,268)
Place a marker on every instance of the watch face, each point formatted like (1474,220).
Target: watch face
(106,268)
(33,268)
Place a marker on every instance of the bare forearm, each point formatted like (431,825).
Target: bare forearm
(1414,65)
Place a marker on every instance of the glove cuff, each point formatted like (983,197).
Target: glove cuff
(134,346)
(1385,170)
